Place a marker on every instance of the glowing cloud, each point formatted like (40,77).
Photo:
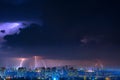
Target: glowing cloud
(7,28)
(13,25)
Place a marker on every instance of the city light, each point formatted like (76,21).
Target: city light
(56,72)
(55,78)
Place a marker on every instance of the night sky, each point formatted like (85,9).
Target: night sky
(61,29)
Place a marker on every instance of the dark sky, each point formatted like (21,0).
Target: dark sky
(71,29)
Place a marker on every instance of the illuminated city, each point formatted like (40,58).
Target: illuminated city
(56,72)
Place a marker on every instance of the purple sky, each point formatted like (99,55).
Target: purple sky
(67,30)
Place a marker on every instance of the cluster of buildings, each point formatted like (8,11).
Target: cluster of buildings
(58,73)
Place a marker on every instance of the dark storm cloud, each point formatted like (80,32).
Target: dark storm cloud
(56,45)
(29,35)
(15,2)
(96,39)
(38,35)
(28,11)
